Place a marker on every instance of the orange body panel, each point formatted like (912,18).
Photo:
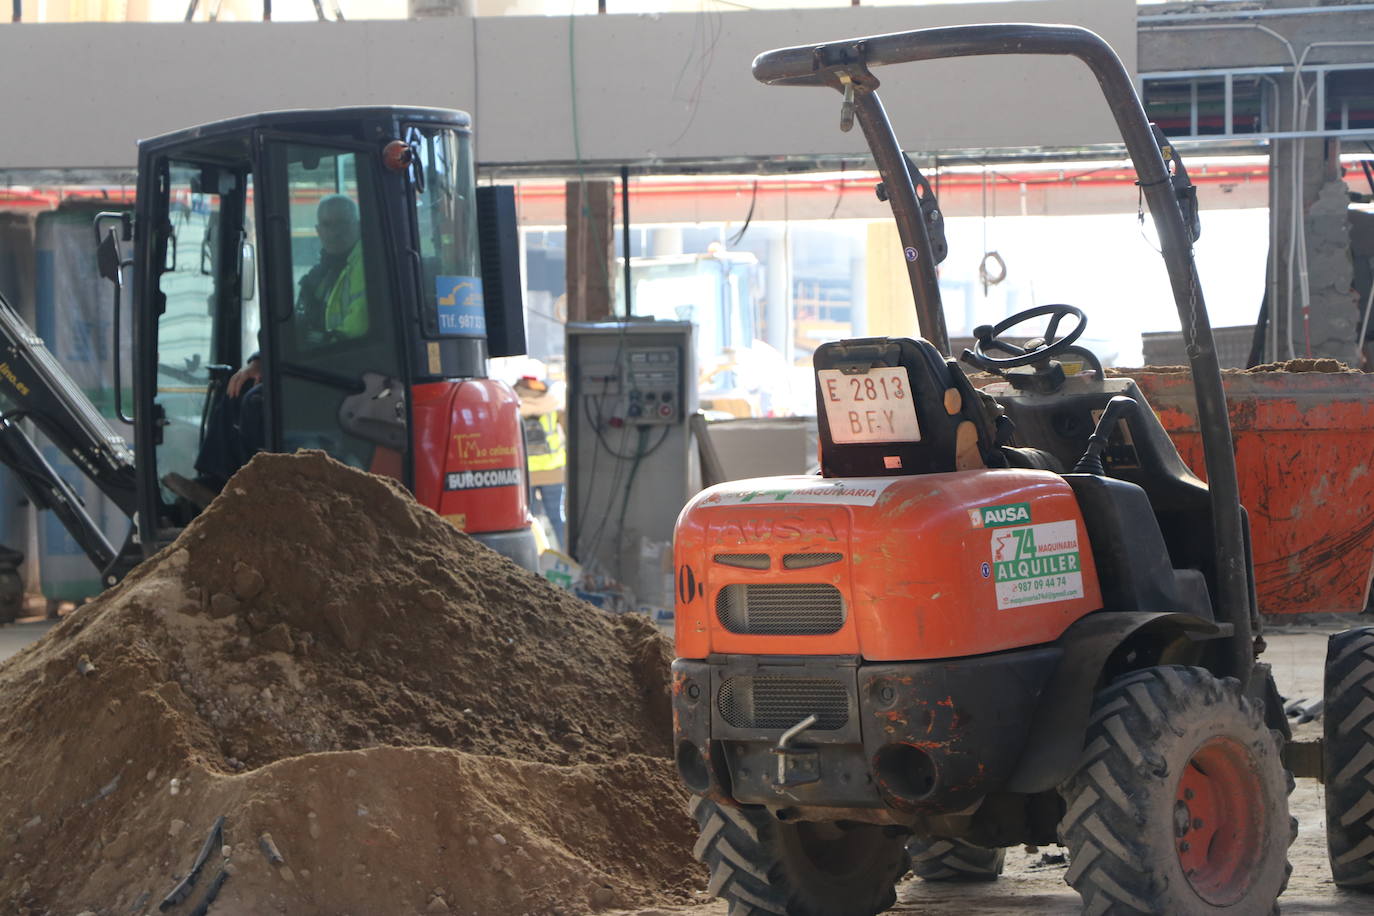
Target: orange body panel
(1303,443)
(925,572)
(470,454)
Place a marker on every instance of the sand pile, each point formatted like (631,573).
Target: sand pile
(418,724)
(1305,364)
(1301,364)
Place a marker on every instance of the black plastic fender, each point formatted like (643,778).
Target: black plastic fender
(1055,741)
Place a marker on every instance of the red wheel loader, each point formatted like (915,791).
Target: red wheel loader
(994,618)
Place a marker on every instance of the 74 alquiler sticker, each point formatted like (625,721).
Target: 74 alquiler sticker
(1036,564)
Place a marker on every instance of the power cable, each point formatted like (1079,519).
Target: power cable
(635,459)
(1364,326)
(840,196)
(748,217)
(707,22)
(625,502)
(590,228)
(985,276)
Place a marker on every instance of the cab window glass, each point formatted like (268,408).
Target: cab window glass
(328,249)
(334,324)
(189,283)
(446,219)
(250,319)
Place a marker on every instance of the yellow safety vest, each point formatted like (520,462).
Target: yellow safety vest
(557,455)
(345,308)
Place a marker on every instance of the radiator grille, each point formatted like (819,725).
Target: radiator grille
(781,702)
(800,609)
(808,560)
(743,560)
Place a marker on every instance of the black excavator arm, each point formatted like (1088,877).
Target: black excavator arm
(38,389)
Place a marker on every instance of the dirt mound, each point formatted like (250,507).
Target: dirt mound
(420,725)
(1304,364)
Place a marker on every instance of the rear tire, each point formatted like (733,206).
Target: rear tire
(762,865)
(1180,804)
(941,859)
(1349,757)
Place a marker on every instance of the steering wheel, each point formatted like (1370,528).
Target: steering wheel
(987,338)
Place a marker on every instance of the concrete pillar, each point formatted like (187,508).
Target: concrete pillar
(1312,306)
(887,288)
(17,262)
(591,266)
(777,314)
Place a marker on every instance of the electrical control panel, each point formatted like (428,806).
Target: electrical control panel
(632,460)
(654,389)
(642,386)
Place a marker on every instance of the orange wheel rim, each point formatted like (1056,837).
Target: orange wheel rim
(1219,821)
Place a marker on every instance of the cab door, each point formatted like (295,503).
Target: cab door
(191,268)
(334,370)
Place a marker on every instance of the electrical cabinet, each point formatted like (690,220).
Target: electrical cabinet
(632,461)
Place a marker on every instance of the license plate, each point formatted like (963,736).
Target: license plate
(873,407)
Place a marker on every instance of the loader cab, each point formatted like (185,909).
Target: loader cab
(337,248)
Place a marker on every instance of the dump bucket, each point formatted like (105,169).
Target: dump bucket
(1304,443)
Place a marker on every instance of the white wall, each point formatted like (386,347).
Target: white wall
(648,87)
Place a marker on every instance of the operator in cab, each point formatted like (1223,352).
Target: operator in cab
(332,300)
(333,295)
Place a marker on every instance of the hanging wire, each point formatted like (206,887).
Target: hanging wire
(748,218)
(988,277)
(840,196)
(709,27)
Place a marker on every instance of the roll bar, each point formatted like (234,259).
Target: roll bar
(847,66)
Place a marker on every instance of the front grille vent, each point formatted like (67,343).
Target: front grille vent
(800,609)
(809,560)
(781,702)
(743,560)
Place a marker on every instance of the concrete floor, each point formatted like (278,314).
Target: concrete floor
(1297,655)
(15,636)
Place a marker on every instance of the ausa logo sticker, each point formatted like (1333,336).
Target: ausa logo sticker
(1000,516)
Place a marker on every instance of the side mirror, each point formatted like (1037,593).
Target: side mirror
(248,270)
(111,265)
(108,258)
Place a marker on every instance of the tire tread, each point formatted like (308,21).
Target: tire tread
(943,859)
(741,850)
(1349,757)
(1113,865)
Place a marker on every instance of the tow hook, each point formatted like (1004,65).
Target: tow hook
(796,766)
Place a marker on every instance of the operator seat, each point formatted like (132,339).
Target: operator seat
(1140,453)
(956,429)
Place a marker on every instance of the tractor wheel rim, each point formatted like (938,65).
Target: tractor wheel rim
(1219,821)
